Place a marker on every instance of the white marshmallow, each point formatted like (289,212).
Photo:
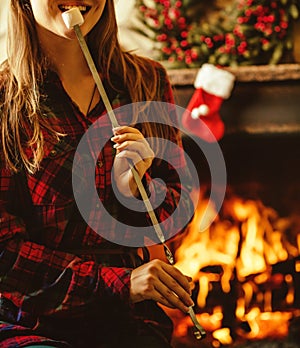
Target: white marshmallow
(72,17)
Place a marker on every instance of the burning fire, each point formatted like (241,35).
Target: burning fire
(248,257)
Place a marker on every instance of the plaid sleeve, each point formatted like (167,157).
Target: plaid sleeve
(177,209)
(52,280)
(171,194)
(45,279)
(174,191)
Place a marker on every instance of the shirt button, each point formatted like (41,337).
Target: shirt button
(53,153)
(100,164)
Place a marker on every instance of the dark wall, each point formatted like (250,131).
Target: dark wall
(261,145)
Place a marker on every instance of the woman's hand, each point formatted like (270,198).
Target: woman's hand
(132,148)
(163,283)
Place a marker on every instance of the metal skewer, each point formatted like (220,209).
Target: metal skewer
(114,123)
(78,20)
(198,330)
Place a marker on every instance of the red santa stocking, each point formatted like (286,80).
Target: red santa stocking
(202,116)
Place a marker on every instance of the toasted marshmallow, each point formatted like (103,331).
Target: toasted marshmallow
(72,17)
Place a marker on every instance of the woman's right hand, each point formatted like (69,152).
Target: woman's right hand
(163,283)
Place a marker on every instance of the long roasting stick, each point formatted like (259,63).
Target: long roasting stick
(74,19)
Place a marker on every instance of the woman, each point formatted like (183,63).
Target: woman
(61,283)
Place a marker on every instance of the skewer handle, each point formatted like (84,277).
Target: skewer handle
(199,332)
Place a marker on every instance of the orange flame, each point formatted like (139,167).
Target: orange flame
(245,239)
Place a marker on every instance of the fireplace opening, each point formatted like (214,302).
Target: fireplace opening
(246,265)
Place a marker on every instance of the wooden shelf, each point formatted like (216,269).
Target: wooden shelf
(265,99)
(254,73)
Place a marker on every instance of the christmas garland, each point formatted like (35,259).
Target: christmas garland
(246,32)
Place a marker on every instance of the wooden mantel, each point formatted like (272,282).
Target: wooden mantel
(265,98)
(259,73)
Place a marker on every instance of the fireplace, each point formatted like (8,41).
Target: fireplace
(246,265)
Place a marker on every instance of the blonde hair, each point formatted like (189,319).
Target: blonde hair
(23,72)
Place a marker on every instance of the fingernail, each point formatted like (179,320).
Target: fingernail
(115,138)
(192,287)
(191,303)
(116,129)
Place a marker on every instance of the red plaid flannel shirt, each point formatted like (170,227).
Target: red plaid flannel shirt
(35,248)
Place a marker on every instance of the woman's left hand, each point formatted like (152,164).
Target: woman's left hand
(132,148)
